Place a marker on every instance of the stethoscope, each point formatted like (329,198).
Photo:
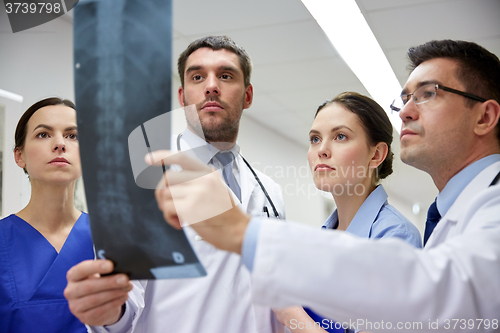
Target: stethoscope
(265,210)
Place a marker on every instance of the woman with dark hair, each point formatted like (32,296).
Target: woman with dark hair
(44,240)
(350,152)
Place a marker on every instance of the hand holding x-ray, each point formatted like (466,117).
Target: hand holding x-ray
(197,196)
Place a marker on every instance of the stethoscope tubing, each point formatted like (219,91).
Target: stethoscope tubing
(275,211)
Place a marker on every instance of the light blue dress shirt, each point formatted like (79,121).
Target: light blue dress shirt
(377,219)
(374,219)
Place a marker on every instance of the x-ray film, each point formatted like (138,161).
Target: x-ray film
(122,58)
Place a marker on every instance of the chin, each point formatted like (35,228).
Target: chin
(325,185)
(409,157)
(66,179)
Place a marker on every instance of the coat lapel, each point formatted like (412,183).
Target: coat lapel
(248,185)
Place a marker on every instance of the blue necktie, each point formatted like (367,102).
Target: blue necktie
(433,218)
(226,158)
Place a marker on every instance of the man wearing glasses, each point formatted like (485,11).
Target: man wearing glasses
(450,111)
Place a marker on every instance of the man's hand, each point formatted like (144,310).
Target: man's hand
(96,300)
(198,196)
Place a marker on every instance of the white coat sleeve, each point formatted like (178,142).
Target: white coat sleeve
(358,281)
(133,310)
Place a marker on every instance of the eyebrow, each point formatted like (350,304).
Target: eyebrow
(223,68)
(192,68)
(229,68)
(50,128)
(420,84)
(335,129)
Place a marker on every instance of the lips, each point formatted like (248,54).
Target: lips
(59,161)
(407,132)
(212,107)
(323,167)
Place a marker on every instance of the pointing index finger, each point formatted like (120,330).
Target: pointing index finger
(169,157)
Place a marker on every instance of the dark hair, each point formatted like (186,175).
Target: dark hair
(373,119)
(22,125)
(478,69)
(217,43)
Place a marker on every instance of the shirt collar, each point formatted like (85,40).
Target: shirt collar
(457,183)
(203,150)
(332,222)
(362,222)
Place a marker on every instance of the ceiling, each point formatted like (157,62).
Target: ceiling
(296,68)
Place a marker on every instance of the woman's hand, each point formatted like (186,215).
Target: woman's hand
(94,299)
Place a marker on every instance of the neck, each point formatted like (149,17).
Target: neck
(221,144)
(50,207)
(444,171)
(349,203)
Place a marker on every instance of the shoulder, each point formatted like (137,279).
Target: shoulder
(476,196)
(391,223)
(265,178)
(84,217)
(483,210)
(8,218)
(273,188)
(11,227)
(8,221)
(83,223)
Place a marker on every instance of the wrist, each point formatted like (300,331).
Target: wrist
(122,312)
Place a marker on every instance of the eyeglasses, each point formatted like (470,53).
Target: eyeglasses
(426,93)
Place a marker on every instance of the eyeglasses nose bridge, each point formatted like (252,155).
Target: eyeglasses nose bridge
(409,97)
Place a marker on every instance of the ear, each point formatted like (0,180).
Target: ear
(248,96)
(180,96)
(379,154)
(18,156)
(487,119)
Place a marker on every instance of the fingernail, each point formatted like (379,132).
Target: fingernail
(106,266)
(121,280)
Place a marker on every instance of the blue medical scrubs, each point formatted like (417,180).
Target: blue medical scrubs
(374,219)
(33,277)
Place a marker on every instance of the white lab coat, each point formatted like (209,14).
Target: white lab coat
(454,280)
(217,303)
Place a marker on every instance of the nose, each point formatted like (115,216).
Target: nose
(324,151)
(212,87)
(59,145)
(409,111)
